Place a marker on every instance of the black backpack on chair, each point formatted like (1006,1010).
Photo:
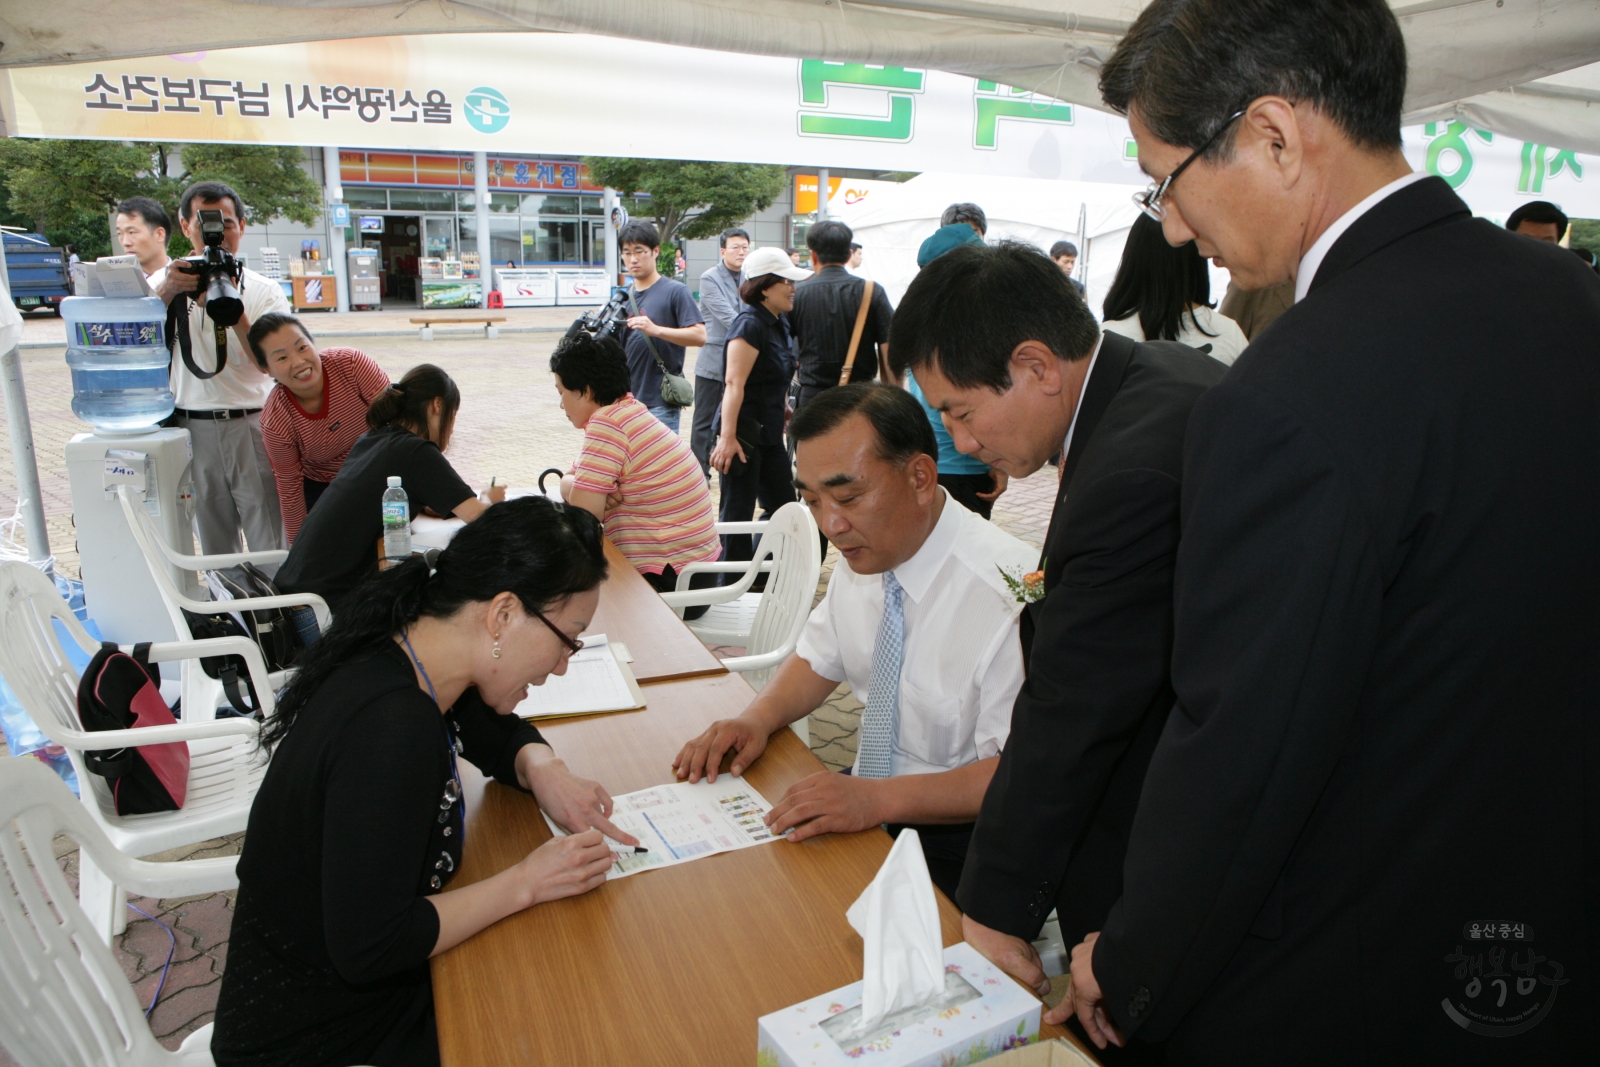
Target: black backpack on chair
(272,629)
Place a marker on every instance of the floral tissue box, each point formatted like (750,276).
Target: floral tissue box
(981,1013)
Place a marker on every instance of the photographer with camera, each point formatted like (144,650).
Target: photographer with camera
(220,396)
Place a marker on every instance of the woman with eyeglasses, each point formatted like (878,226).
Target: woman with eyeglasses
(358,826)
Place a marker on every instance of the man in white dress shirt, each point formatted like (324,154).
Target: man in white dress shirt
(918,618)
(234,487)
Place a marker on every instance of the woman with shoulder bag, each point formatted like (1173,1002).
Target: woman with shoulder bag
(750,453)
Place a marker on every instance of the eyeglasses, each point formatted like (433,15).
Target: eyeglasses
(1150,200)
(574,645)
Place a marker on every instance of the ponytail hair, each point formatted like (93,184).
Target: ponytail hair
(541,552)
(405,403)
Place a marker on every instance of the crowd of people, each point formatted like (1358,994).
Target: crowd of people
(1297,695)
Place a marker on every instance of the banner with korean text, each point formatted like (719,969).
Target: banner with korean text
(416,100)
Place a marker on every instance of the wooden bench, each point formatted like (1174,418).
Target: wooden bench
(490,329)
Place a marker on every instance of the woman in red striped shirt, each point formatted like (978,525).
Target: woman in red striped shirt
(315,413)
(635,474)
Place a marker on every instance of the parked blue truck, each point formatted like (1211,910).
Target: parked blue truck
(36,272)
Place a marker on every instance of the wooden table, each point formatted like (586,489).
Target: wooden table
(663,648)
(671,966)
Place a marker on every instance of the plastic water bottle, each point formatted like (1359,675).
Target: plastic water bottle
(396,521)
(116,348)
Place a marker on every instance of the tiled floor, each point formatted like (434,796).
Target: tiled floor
(510,427)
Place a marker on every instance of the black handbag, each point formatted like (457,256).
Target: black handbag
(272,629)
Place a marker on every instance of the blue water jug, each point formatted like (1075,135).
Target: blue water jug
(116,347)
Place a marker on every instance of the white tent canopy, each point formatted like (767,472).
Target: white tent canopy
(1527,68)
(892,224)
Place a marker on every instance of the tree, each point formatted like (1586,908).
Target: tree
(691,198)
(59,185)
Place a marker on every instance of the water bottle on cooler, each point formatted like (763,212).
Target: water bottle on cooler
(117,352)
(396,521)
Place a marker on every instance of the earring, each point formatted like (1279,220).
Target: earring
(496,652)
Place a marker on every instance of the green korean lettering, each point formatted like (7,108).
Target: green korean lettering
(1020,104)
(817,75)
(1536,167)
(1453,139)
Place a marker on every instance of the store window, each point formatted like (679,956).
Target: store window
(367,199)
(421,200)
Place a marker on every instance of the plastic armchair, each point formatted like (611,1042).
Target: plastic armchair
(66,1001)
(225,762)
(790,552)
(201,693)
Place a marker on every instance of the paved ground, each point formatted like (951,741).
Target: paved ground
(510,427)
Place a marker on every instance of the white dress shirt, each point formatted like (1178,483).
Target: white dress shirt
(962,665)
(241,384)
(1312,260)
(1224,336)
(1082,390)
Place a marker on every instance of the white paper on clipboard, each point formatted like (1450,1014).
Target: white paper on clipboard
(598,679)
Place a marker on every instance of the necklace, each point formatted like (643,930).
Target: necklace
(452,809)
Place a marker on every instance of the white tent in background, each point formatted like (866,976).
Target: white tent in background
(892,223)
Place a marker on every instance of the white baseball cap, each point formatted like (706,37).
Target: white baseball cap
(773,261)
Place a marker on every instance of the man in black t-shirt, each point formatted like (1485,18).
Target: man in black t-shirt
(824,315)
(666,319)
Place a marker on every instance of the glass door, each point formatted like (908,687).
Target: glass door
(439,236)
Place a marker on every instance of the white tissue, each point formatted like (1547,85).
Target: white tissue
(897,917)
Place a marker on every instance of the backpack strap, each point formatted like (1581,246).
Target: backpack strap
(141,656)
(229,677)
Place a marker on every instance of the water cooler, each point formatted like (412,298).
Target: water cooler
(117,587)
(116,348)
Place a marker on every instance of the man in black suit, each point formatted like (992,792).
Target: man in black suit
(1370,830)
(1014,361)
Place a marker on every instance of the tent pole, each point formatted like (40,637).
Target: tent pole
(29,501)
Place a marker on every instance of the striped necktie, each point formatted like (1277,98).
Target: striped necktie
(879,721)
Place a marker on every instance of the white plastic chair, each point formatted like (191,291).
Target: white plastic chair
(65,1000)
(791,554)
(201,693)
(225,765)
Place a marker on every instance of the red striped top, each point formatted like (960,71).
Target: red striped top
(665,518)
(303,446)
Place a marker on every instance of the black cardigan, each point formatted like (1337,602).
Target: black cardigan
(328,958)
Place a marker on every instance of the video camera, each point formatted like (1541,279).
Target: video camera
(609,321)
(219,272)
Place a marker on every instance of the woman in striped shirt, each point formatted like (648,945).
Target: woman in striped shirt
(315,413)
(634,474)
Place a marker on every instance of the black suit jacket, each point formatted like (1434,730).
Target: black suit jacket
(1387,665)
(1055,821)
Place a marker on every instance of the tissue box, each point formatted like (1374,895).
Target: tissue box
(981,1013)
